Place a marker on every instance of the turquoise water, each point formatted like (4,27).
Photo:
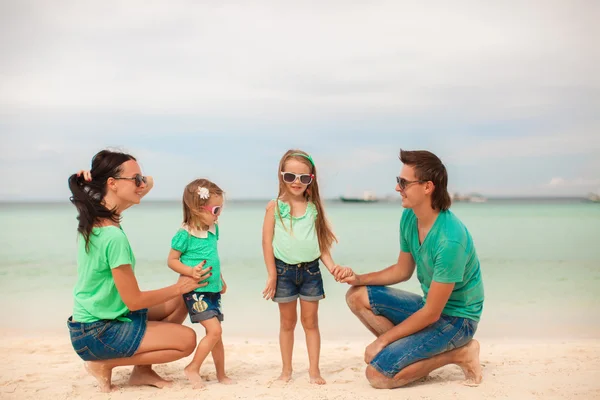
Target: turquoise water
(540,263)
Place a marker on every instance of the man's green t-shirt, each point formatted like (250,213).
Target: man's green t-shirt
(96,296)
(447,255)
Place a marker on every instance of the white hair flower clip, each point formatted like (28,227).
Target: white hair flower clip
(203,192)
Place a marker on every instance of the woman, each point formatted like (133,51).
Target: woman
(114,323)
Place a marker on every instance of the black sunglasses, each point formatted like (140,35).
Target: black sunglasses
(290,177)
(403,183)
(138,178)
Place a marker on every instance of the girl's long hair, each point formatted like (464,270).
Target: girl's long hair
(88,197)
(324,232)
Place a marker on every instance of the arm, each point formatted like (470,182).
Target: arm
(328,261)
(399,272)
(176,265)
(269,256)
(438,296)
(135,299)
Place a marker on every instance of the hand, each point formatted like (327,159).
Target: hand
(197,271)
(224,289)
(340,272)
(351,278)
(186,284)
(372,350)
(269,291)
(87,175)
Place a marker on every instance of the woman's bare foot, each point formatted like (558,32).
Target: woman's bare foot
(225,380)
(286,375)
(193,374)
(144,375)
(470,363)
(316,378)
(102,373)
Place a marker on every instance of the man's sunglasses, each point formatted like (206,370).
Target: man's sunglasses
(403,183)
(214,210)
(138,179)
(290,177)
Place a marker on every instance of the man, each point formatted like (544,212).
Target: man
(416,335)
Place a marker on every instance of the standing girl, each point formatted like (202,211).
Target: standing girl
(194,246)
(296,235)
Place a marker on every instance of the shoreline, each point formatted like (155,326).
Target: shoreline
(563,368)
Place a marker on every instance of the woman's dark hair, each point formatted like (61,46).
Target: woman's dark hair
(88,196)
(428,167)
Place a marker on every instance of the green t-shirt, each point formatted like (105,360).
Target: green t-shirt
(195,249)
(298,243)
(96,296)
(447,255)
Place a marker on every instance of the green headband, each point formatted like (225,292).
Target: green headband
(309,158)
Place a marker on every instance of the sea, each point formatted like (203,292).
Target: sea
(540,262)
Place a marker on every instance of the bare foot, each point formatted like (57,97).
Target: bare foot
(316,378)
(144,375)
(470,363)
(102,373)
(225,380)
(285,376)
(193,374)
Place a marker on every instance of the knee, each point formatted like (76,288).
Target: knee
(310,322)
(355,297)
(188,339)
(376,379)
(288,324)
(215,332)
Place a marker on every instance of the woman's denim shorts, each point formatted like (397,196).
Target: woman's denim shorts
(444,335)
(108,339)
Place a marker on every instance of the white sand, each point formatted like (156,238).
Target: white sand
(45,367)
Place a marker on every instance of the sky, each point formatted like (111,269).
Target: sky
(506,93)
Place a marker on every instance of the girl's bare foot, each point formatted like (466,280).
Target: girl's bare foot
(144,375)
(102,373)
(470,363)
(193,374)
(286,375)
(316,378)
(225,380)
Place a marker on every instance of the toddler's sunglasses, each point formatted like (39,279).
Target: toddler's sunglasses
(214,210)
(137,178)
(290,177)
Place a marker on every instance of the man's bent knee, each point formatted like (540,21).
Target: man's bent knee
(357,297)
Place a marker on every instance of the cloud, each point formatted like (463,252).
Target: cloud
(561,182)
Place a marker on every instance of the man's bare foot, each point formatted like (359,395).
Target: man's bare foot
(102,373)
(193,374)
(316,378)
(285,376)
(469,363)
(225,380)
(144,375)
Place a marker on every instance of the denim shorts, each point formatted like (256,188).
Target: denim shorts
(302,280)
(444,335)
(108,339)
(203,305)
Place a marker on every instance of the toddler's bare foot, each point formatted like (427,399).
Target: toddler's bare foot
(102,373)
(286,375)
(144,375)
(225,380)
(469,363)
(316,378)
(193,374)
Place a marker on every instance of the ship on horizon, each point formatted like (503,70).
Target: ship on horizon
(368,197)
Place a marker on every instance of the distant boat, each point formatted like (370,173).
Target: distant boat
(594,197)
(368,197)
(469,198)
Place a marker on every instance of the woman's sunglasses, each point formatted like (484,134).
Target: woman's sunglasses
(214,210)
(290,177)
(138,178)
(403,183)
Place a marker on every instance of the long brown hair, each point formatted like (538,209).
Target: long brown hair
(324,232)
(193,214)
(428,167)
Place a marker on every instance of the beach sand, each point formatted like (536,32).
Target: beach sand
(45,367)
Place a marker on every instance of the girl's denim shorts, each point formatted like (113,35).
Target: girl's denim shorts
(108,339)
